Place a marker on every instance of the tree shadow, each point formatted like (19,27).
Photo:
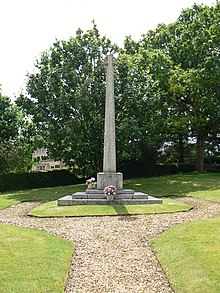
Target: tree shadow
(120,209)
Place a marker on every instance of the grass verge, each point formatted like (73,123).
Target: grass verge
(192,260)
(33,260)
(203,185)
(51,209)
(39,194)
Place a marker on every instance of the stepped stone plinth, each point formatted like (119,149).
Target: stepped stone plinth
(81,198)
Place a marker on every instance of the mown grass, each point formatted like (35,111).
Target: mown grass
(190,256)
(40,194)
(189,184)
(51,209)
(203,185)
(32,260)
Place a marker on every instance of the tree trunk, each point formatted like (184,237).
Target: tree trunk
(181,149)
(200,146)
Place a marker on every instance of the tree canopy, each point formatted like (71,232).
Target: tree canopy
(166,91)
(66,98)
(192,43)
(15,150)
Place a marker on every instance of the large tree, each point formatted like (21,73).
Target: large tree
(192,43)
(141,116)
(66,98)
(167,89)
(15,145)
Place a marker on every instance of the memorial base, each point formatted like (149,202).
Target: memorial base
(94,194)
(69,200)
(97,197)
(109,178)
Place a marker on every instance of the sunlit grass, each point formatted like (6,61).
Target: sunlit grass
(190,256)
(212,195)
(204,185)
(39,194)
(32,260)
(51,209)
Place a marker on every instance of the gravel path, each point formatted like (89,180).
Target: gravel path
(113,253)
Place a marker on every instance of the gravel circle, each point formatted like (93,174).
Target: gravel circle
(113,252)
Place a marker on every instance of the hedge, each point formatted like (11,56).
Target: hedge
(129,169)
(133,169)
(37,180)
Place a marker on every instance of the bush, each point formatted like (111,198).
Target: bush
(37,180)
(131,169)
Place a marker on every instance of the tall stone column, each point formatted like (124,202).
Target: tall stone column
(109,158)
(109,176)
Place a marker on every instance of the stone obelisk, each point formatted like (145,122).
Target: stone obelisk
(109,176)
(109,158)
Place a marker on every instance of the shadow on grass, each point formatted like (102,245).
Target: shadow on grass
(120,209)
(127,218)
(172,185)
(178,184)
(42,194)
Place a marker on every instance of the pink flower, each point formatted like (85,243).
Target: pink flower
(111,189)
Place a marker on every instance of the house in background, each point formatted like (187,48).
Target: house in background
(44,164)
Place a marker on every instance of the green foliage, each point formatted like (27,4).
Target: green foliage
(15,144)
(66,99)
(29,180)
(166,91)
(192,43)
(9,120)
(192,261)
(67,95)
(132,169)
(32,260)
(139,117)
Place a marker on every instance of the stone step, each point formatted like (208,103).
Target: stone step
(100,191)
(68,201)
(118,196)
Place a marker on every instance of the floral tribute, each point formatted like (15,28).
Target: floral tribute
(110,190)
(90,181)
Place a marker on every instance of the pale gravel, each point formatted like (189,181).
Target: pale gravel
(113,253)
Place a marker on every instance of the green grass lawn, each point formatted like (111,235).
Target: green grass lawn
(33,260)
(40,194)
(51,209)
(36,261)
(203,185)
(190,256)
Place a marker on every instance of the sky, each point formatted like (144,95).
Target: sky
(29,27)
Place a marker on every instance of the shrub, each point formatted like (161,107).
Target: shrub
(37,180)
